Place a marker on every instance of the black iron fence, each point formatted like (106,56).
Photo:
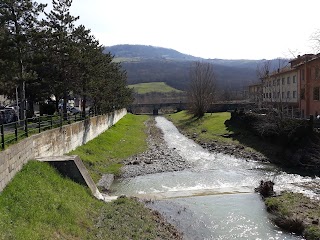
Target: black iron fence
(14,131)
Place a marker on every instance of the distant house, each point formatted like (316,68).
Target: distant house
(308,70)
(281,90)
(255,93)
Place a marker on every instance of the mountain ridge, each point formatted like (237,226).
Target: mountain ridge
(148,52)
(157,64)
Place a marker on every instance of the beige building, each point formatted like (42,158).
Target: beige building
(281,91)
(281,87)
(255,93)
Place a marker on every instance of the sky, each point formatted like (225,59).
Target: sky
(226,29)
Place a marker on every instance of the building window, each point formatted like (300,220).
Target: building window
(282,95)
(274,82)
(294,79)
(316,93)
(302,94)
(288,94)
(294,94)
(278,82)
(269,95)
(282,80)
(302,74)
(278,95)
(288,80)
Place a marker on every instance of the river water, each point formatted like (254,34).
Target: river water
(215,198)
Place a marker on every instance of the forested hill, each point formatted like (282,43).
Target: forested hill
(156,64)
(148,52)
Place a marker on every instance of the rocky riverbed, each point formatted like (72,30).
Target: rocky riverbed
(158,158)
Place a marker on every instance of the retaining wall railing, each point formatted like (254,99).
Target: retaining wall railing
(52,142)
(12,132)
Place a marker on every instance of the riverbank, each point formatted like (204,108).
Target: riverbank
(296,213)
(160,158)
(211,133)
(41,204)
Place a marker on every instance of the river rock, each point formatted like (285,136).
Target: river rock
(158,158)
(105,182)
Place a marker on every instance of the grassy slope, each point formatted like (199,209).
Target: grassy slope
(40,204)
(105,153)
(161,87)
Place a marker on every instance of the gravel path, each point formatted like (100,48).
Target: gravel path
(158,158)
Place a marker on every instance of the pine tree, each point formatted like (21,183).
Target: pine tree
(18,23)
(59,26)
(87,50)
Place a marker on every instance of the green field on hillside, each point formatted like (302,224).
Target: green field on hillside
(160,87)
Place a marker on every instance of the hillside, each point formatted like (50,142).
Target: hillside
(154,64)
(148,52)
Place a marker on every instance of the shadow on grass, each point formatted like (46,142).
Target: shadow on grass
(190,121)
(271,150)
(246,138)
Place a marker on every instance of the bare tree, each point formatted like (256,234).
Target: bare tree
(315,39)
(263,69)
(202,88)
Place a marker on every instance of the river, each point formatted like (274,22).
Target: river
(215,198)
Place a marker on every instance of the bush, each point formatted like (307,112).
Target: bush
(271,127)
(47,108)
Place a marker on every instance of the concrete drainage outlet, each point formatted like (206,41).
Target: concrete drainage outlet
(73,168)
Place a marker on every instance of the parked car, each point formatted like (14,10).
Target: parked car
(7,115)
(74,110)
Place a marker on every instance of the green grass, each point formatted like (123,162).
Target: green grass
(208,128)
(292,206)
(160,87)
(41,204)
(104,154)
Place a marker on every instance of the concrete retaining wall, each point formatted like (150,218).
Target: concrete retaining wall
(53,142)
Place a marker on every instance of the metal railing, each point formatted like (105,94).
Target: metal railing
(13,132)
